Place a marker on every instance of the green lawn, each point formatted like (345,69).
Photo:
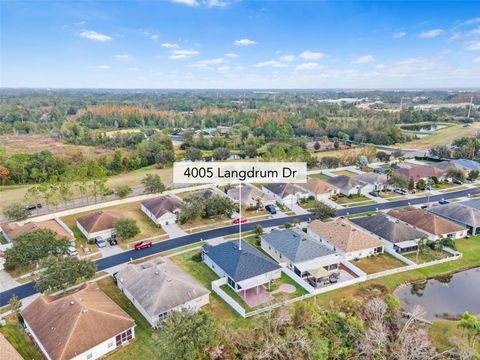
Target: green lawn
(3,240)
(366,213)
(319,176)
(307,204)
(351,199)
(16,336)
(427,256)
(344,172)
(442,331)
(285,279)
(375,264)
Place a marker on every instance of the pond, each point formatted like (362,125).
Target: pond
(425,128)
(445,297)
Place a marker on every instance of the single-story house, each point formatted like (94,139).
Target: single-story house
(300,253)
(7,351)
(207,194)
(251,196)
(395,234)
(417,172)
(160,286)
(318,188)
(162,210)
(459,213)
(344,238)
(241,264)
(12,230)
(465,165)
(284,193)
(373,181)
(348,185)
(435,226)
(83,325)
(98,224)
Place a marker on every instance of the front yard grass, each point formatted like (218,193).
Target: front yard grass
(378,263)
(341,200)
(427,256)
(19,339)
(344,172)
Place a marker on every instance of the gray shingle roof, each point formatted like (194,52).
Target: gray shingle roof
(240,264)
(458,212)
(295,245)
(283,189)
(474,203)
(162,204)
(388,228)
(345,182)
(159,286)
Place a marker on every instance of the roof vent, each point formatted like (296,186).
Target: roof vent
(85,311)
(72,302)
(157,272)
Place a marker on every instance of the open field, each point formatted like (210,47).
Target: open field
(378,263)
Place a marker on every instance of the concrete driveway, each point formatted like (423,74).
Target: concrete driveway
(110,250)
(174,230)
(6,281)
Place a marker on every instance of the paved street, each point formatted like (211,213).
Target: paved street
(28,289)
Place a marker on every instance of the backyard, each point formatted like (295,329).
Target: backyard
(427,256)
(319,176)
(343,172)
(378,263)
(19,339)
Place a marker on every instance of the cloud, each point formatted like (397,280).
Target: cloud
(363,59)
(216,3)
(186,2)
(182,54)
(133,69)
(170,45)
(103,67)
(471,21)
(223,68)
(95,36)
(154,37)
(231,55)
(399,34)
(244,42)
(476,60)
(431,33)
(310,55)
(272,63)
(474,46)
(123,57)
(308,66)
(207,62)
(287,58)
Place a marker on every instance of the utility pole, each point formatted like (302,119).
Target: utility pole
(470,107)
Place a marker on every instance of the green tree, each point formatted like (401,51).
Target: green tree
(456,174)
(383,156)
(126,228)
(221,153)
(218,205)
(440,152)
(152,184)
(471,324)
(411,184)
(194,154)
(421,184)
(15,304)
(398,180)
(61,272)
(323,211)
(15,212)
(258,230)
(192,208)
(317,146)
(185,334)
(361,161)
(123,191)
(473,174)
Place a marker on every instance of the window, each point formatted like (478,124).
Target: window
(124,337)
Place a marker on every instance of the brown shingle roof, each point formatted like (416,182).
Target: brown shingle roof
(318,186)
(98,221)
(342,235)
(163,204)
(13,230)
(425,221)
(68,326)
(420,172)
(7,351)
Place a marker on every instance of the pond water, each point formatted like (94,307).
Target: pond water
(445,297)
(423,128)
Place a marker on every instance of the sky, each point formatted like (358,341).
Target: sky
(231,44)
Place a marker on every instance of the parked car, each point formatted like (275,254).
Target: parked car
(443,202)
(400,191)
(423,206)
(271,209)
(143,244)
(33,206)
(428,187)
(470,179)
(458,182)
(112,241)
(374,193)
(242,220)
(71,251)
(100,242)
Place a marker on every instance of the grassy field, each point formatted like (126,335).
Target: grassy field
(427,256)
(375,264)
(443,331)
(16,336)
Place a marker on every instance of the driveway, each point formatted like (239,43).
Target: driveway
(110,250)
(174,230)
(6,281)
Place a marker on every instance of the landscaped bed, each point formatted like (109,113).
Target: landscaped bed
(427,256)
(378,263)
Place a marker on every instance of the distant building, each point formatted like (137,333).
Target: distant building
(251,196)
(320,189)
(462,214)
(162,210)
(344,238)
(284,193)
(11,231)
(86,324)
(348,185)
(420,172)
(373,181)
(98,224)
(158,287)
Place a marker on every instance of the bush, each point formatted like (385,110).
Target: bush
(252,208)
(126,228)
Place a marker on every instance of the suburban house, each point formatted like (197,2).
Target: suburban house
(162,210)
(12,230)
(284,193)
(98,224)
(206,194)
(251,196)
(318,188)
(348,185)
(160,286)
(344,238)
(435,226)
(83,325)
(245,268)
(417,172)
(300,253)
(7,351)
(373,181)
(395,234)
(465,165)
(459,213)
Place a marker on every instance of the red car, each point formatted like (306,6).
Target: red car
(143,244)
(242,220)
